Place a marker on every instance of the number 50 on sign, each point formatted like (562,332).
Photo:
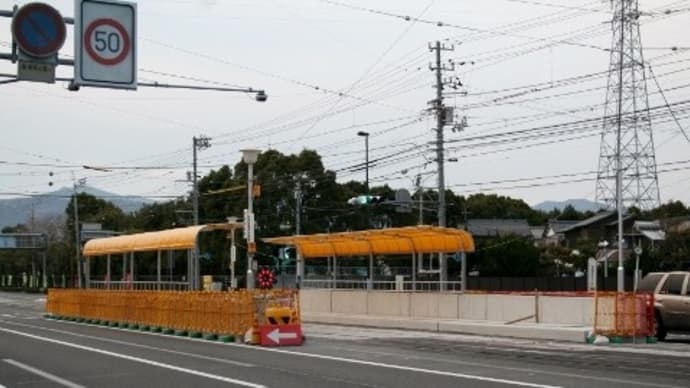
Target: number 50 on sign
(105,42)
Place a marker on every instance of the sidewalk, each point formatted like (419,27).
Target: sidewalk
(563,333)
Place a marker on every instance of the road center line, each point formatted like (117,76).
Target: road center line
(136,359)
(155,348)
(44,374)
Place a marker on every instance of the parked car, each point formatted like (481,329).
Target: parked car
(671,301)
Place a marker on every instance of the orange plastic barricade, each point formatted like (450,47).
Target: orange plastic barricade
(624,314)
(220,313)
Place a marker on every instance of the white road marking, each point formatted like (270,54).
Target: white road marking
(136,359)
(515,369)
(44,374)
(402,367)
(180,353)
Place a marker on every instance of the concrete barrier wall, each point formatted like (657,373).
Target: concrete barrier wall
(349,302)
(566,310)
(472,307)
(477,307)
(315,301)
(389,303)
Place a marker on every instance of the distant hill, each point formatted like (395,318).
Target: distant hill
(581,205)
(18,210)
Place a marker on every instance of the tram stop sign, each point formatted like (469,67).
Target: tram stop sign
(39,32)
(105,44)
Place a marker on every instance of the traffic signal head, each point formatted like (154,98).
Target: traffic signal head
(365,200)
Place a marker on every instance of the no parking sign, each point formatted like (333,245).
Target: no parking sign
(105,44)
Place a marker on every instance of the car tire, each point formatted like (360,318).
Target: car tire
(659,325)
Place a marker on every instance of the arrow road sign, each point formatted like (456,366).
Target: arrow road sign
(281,335)
(276,336)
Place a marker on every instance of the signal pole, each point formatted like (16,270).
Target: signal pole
(440,111)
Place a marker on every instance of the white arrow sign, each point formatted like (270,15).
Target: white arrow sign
(276,336)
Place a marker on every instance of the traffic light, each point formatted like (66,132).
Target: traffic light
(365,200)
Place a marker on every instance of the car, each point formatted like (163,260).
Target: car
(671,301)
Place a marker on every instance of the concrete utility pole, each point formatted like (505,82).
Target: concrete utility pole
(298,207)
(198,143)
(440,111)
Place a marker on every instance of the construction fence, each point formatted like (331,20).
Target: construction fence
(624,314)
(220,313)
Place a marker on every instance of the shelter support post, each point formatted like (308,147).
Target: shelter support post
(158,270)
(414,272)
(196,271)
(87,273)
(463,272)
(107,271)
(189,269)
(300,269)
(443,271)
(335,272)
(370,283)
(170,267)
(131,268)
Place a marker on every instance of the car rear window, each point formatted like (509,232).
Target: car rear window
(649,282)
(673,284)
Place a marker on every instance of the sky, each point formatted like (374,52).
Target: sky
(332,68)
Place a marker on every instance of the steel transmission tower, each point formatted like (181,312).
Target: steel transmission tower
(627,174)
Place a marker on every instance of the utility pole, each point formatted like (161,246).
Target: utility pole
(198,143)
(298,207)
(440,110)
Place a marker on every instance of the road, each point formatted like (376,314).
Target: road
(35,352)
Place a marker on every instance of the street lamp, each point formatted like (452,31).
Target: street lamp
(249,156)
(602,248)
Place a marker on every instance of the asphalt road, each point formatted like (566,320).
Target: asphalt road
(35,352)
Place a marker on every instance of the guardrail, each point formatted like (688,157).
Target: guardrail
(389,285)
(138,285)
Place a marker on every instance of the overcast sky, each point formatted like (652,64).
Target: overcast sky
(333,68)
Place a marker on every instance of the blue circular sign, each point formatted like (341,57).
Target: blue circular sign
(38,29)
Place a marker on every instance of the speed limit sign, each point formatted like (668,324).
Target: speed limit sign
(105,44)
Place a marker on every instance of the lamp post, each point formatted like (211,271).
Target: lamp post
(602,248)
(249,156)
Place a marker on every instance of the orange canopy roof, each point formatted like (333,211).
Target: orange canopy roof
(392,241)
(173,239)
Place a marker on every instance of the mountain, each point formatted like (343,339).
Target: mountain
(581,205)
(18,210)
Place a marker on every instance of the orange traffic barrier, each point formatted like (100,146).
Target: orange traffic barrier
(221,313)
(624,314)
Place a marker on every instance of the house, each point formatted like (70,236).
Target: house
(603,226)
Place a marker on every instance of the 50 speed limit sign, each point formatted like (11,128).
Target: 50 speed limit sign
(105,42)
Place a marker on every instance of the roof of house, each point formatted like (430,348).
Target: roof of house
(591,220)
(485,227)
(557,226)
(650,229)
